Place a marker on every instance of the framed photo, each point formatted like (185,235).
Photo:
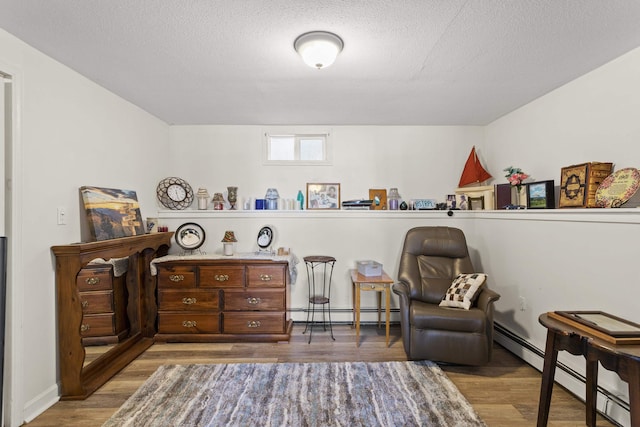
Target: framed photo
(541,195)
(603,325)
(476,203)
(379,197)
(462,202)
(323,196)
(604,322)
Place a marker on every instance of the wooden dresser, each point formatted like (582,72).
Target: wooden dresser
(209,300)
(104,305)
(77,379)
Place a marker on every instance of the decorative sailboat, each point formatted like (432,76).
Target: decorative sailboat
(473,172)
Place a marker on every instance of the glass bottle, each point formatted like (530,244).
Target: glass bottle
(271,199)
(393,199)
(203,198)
(300,200)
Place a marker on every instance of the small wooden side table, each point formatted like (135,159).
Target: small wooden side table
(622,359)
(378,284)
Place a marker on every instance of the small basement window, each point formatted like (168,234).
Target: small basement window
(297,149)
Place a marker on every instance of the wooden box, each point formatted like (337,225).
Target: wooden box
(578,184)
(483,193)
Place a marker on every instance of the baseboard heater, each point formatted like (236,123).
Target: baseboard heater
(348,311)
(521,342)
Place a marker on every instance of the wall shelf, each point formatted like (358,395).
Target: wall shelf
(622,215)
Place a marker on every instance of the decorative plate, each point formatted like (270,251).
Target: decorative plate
(265,236)
(174,193)
(616,189)
(190,236)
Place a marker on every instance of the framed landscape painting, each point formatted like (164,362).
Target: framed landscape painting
(541,195)
(111,213)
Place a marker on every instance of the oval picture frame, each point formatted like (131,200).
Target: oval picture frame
(265,237)
(190,236)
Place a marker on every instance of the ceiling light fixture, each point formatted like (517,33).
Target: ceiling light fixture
(318,49)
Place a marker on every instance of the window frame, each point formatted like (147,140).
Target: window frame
(298,135)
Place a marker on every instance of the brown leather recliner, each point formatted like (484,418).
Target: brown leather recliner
(431,258)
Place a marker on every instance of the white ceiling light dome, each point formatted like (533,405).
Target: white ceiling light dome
(318,49)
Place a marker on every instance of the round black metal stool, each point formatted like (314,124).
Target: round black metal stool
(320,292)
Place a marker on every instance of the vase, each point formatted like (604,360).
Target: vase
(518,200)
(232,197)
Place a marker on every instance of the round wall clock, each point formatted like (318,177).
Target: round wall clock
(190,236)
(174,193)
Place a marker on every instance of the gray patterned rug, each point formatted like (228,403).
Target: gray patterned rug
(297,394)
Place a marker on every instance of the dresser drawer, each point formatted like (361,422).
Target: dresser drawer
(176,276)
(96,302)
(188,323)
(254,300)
(253,323)
(97,325)
(190,300)
(95,278)
(266,276)
(223,276)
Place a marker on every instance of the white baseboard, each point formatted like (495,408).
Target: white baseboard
(608,404)
(41,403)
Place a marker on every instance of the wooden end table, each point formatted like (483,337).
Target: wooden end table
(377,284)
(622,359)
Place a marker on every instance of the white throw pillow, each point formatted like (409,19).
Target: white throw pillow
(464,290)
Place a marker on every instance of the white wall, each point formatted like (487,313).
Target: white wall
(567,265)
(422,162)
(71,133)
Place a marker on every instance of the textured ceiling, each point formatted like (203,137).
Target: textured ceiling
(409,62)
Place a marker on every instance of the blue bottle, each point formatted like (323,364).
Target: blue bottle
(300,200)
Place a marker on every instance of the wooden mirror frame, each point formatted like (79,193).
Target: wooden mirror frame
(78,382)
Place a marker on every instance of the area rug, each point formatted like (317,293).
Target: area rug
(297,394)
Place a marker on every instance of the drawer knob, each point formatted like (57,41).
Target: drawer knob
(373,286)
(92,280)
(253,300)
(265,277)
(85,304)
(253,324)
(84,328)
(221,277)
(176,277)
(189,324)
(189,301)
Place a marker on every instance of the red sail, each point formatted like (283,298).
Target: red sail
(473,171)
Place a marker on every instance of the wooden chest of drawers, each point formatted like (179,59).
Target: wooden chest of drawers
(222,300)
(103,301)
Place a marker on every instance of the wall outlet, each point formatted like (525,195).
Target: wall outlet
(523,303)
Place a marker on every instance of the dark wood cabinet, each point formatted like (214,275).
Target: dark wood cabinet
(83,293)
(209,300)
(103,297)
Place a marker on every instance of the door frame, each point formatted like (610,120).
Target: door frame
(13,402)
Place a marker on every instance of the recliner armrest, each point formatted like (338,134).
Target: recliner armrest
(401,288)
(486,297)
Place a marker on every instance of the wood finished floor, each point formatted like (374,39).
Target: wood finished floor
(504,393)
